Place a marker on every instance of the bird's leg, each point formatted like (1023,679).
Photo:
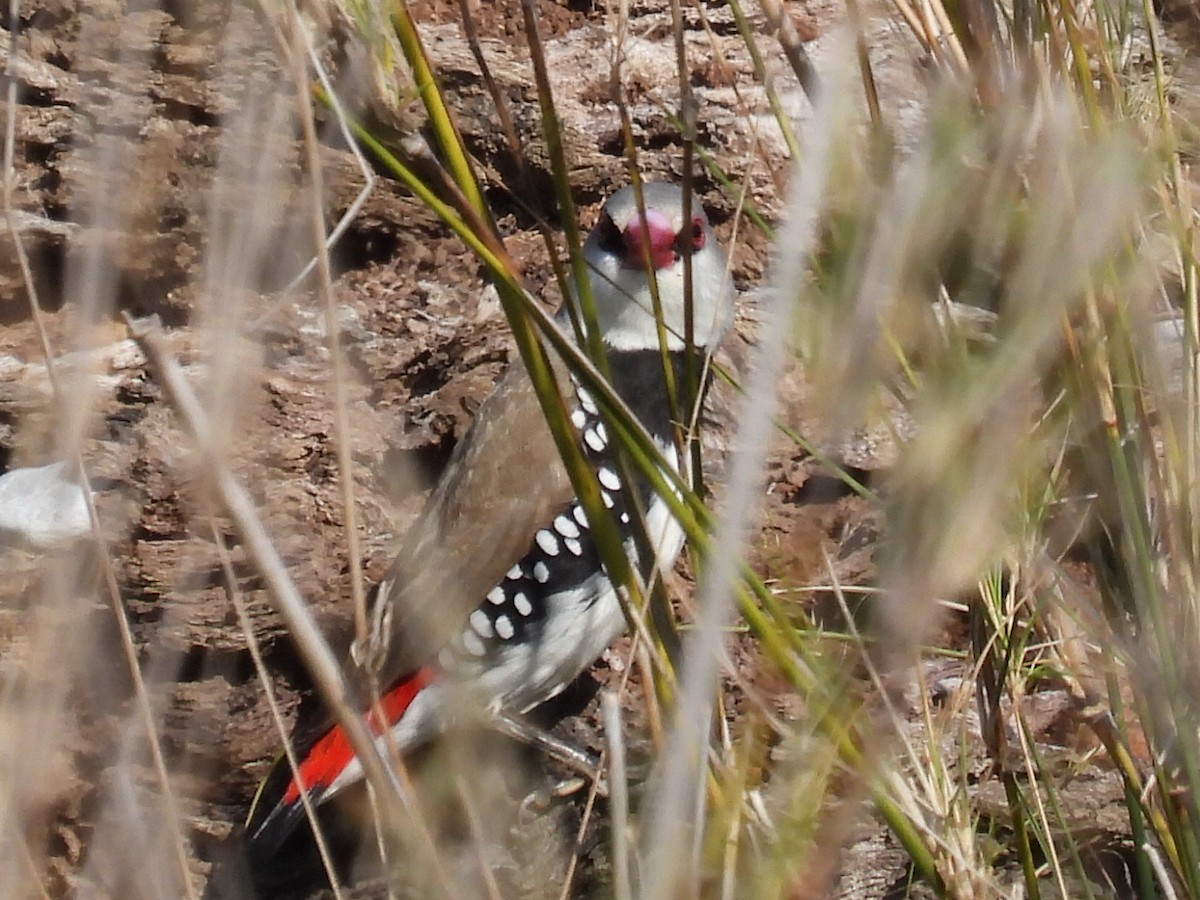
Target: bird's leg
(573,757)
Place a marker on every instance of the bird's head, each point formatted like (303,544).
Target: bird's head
(624,249)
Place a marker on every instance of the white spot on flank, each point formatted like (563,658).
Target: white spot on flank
(580,516)
(578,417)
(514,573)
(547,541)
(624,518)
(566,527)
(586,401)
(574,546)
(609,478)
(592,438)
(540,573)
(504,627)
(496,595)
(607,498)
(602,432)
(481,623)
(521,602)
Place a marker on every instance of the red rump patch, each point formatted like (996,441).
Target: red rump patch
(332,753)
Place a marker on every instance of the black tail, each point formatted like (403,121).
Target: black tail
(289,865)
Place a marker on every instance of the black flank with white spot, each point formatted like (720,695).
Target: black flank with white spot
(562,555)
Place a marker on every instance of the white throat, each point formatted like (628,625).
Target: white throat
(625,305)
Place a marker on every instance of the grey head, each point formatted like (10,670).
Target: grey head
(623,249)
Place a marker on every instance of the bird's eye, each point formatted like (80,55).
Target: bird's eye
(609,235)
(693,239)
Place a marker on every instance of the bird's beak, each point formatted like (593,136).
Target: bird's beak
(654,237)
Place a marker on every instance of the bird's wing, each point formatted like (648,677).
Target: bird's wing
(504,481)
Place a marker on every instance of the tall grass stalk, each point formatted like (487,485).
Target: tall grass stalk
(683,762)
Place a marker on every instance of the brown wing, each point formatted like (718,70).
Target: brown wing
(504,481)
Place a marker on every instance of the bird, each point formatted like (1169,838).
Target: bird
(499,588)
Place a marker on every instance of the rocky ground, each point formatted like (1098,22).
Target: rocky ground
(159,169)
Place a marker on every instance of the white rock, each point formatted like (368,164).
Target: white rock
(40,507)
